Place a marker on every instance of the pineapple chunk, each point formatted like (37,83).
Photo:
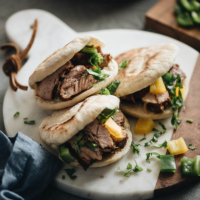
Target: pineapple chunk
(158,86)
(144,125)
(114,130)
(176,147)
(182,91)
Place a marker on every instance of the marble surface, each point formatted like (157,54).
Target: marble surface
(120,15)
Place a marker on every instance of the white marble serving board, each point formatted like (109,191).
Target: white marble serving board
(52,34)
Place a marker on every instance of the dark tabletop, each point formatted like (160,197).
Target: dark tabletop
(85,15)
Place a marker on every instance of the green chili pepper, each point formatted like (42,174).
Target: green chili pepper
(65,154)
(190,167)
(191,5)
(89,49)
(187,166)
(184,20)
(196,17)
(167,163)
(197,165)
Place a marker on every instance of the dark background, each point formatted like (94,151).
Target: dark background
(85,15)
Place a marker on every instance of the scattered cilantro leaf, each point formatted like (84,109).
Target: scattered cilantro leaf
(70,173)
(135,148)
(113,86)
(130,169)
(154,139)
(190,120)
(124,63)
(191,147)
(106,114)
(26,118)
(31,122)
(99,77)
(151,154)
(144,138)
(16,114)
(163,127)
(164,144)
(149,170)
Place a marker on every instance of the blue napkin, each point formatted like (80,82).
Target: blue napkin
(26,168)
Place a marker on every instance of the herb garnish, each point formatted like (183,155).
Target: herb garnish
(151,154)
(70,173)
(31,122)
(190,120)
(105,91)
(124,63)
(172,83)
(135,148)
(164,144)
(149,170)
(25,118)
(98,76)
(144,138)
(111,88)
(130,169)
(191,147)
(156,135)
(106,114)
(16,114)
(76,141)
(96,59)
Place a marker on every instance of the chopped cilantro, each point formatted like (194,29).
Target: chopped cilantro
(149,170)
(124,63)
(144,138)
(151,154)
(98,76)
(191,147)
(16,114)
(96,59)
(106,114)
(113,86)
(172,83)
(130,169)
(26,118)
(135,148)
(70,173)
(164,144)
(163,127)
(31,122)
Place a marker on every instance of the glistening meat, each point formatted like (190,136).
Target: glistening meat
(156,102)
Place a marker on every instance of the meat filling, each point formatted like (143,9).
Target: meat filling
(155,102)
(70,79)
(98,134)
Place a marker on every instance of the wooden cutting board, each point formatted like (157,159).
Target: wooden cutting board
(161,18)
(168,183)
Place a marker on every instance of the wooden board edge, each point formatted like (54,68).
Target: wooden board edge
(161,188)
(171,32)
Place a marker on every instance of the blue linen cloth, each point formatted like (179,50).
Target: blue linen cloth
(26,168)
